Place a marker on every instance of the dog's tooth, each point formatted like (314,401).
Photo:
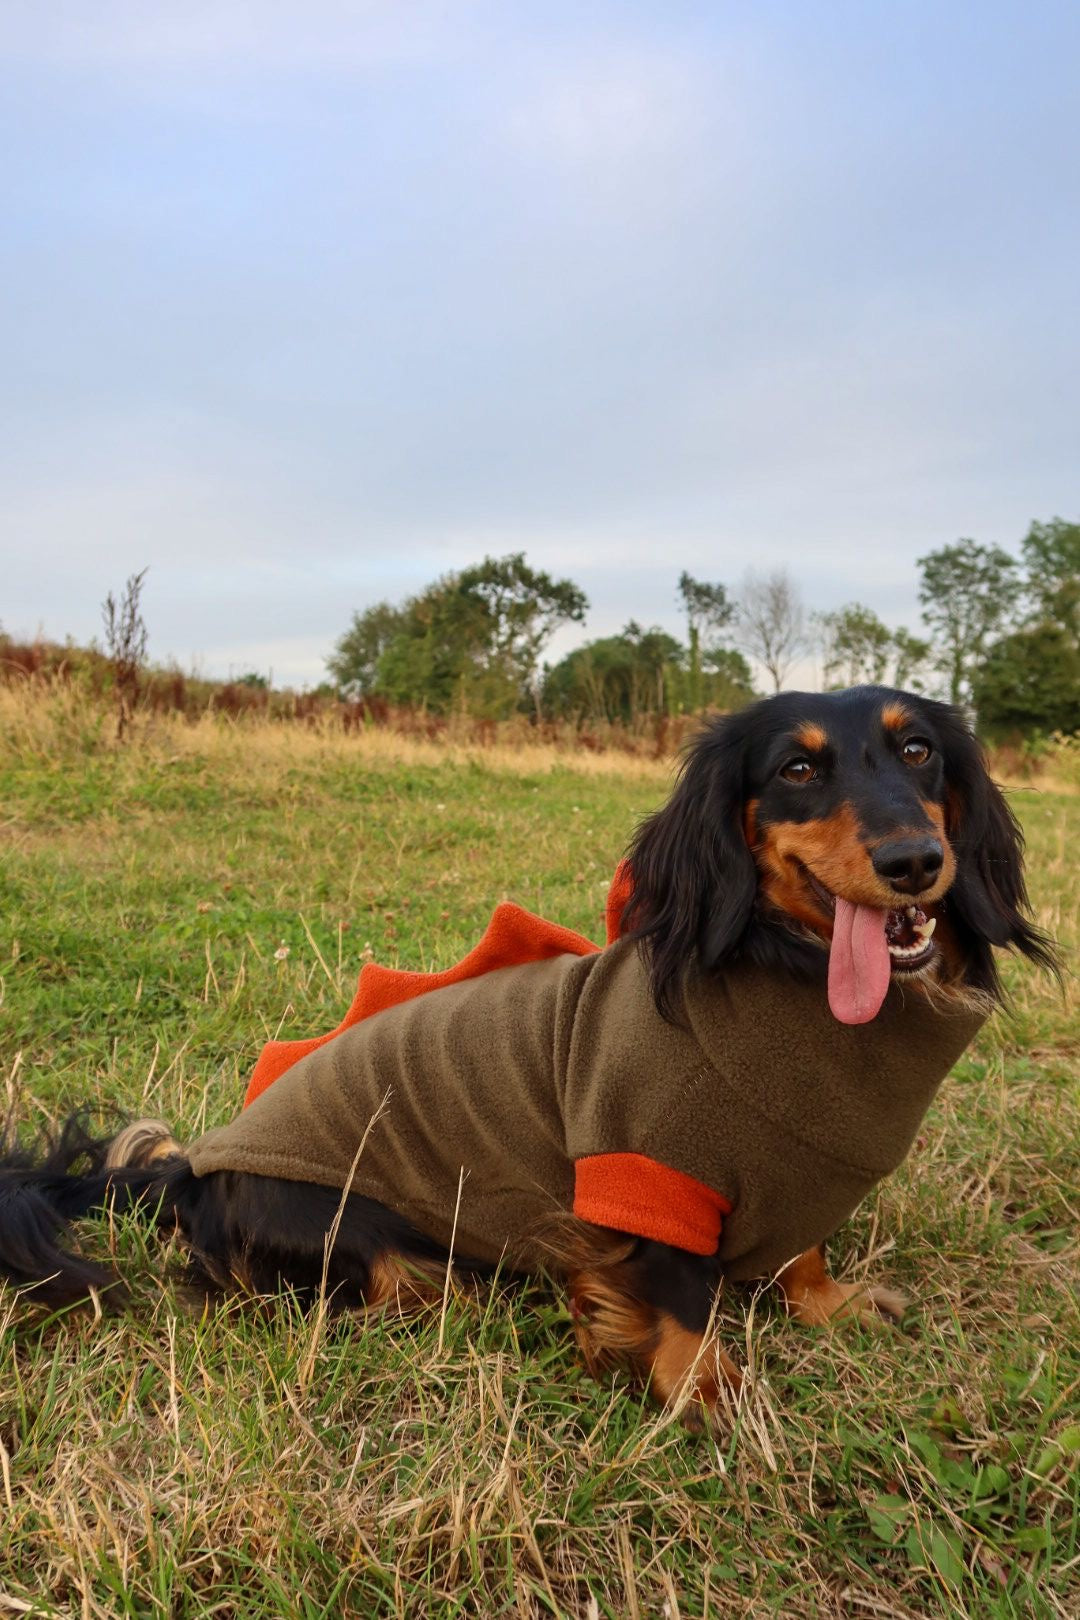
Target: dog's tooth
(911,912)
(924,930)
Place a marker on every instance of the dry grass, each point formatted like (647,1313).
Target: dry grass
(160,1463)
(52,719)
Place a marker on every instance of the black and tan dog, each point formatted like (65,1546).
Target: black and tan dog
(808,946)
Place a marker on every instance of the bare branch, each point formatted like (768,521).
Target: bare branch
(771,622)
(125,643)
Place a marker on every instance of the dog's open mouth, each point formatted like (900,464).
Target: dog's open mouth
(909,937)
(868,948)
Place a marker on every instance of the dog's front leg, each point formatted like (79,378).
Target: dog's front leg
(647,1307)
(815,1299)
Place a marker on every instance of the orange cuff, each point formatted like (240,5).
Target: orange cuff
(632,1193)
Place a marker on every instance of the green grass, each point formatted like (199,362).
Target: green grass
(166,1463)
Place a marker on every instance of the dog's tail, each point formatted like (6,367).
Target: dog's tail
(140,1167)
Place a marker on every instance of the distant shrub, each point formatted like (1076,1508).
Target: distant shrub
(1040,757)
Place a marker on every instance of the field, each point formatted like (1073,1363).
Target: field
(165,909)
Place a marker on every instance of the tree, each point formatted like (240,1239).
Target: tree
(729,680)
(855,645)
(471,640)
(125,644)
(969,594)
(858,649)
(524,609)
(771,622)
(1029,682)
(617,677)
(439,656)
(654,658)
(911,657)
(707,610)
(1051,553)
(354,663)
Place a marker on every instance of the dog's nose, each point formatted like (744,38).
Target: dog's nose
(909,864)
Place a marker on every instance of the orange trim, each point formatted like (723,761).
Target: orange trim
(513,936)
(622,887)
(632,1193)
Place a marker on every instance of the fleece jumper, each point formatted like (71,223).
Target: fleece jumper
(752,1130)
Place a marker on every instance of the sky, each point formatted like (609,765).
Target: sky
(307,303)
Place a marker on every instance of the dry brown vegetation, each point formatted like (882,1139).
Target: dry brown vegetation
(42,673)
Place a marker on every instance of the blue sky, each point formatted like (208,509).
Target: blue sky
(308,303)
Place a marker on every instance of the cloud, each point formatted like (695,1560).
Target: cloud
(632,289)
(610,104)
(187,35)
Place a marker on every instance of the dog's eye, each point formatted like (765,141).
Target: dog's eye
(799,771)
(915,751)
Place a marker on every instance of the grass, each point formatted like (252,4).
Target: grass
(164,1463)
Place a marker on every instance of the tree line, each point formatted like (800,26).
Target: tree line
(1002,637)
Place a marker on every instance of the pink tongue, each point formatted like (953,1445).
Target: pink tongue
(858,963)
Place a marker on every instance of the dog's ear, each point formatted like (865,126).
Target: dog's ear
(694,877)
(988,899)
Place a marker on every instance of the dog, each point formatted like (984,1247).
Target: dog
(807,945)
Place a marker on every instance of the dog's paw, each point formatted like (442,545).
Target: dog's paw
(830,1304)
(889,1303)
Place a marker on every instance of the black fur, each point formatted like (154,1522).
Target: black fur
(41,1194)
(685,1285)
(989,895)
(695,882)
(696,897)
(273,1233)
(269,1232)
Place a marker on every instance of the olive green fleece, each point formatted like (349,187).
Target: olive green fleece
(487,1091)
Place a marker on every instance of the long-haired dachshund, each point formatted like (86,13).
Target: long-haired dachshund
(808,945)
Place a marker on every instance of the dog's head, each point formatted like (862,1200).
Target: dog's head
(859,828)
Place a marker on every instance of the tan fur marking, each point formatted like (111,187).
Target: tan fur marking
(571,1246)
(936,813)
(686,1361)
(615,1330)
(811,736)
(141,1144)
(894,717)
(834,851)
(400,1287)
(612,1329)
